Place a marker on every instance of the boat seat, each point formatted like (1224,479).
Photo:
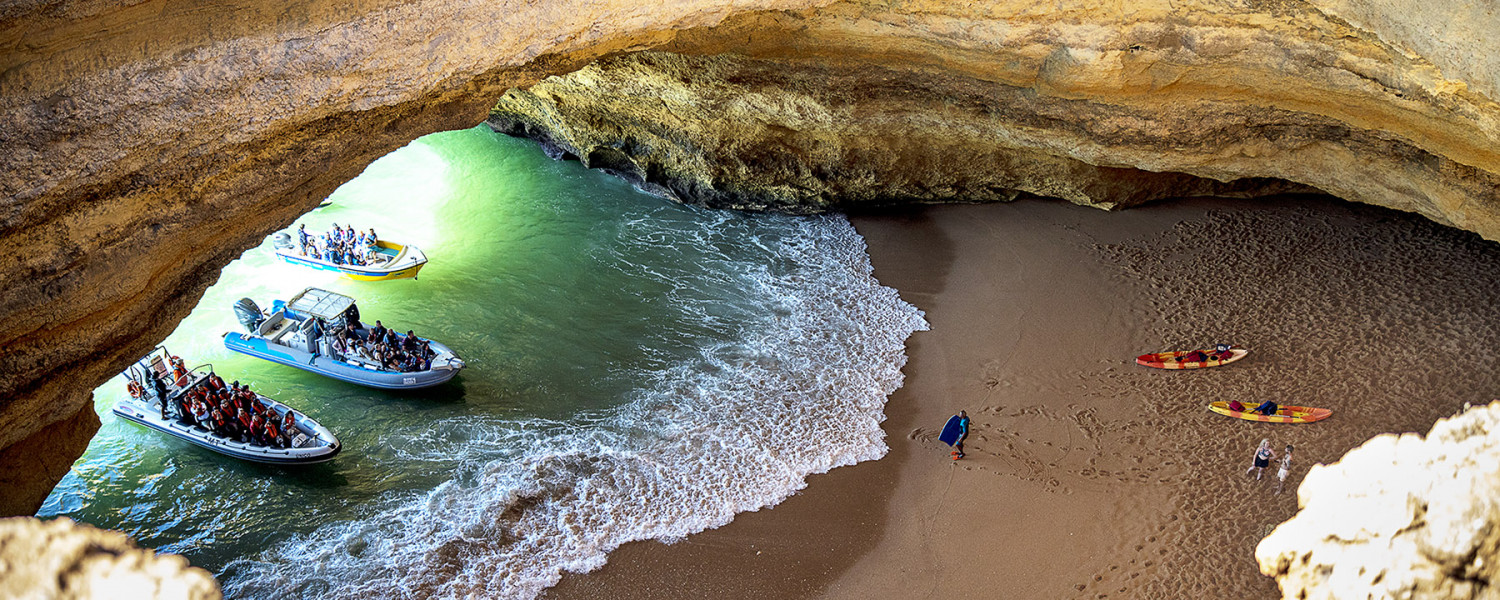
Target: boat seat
(276,321)
(285,331)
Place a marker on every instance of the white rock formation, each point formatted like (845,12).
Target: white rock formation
(63,560)
(1399,517)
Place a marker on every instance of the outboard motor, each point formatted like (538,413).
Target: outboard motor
(282,240)
(249,314)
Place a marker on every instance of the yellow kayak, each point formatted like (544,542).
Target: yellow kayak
(1284,414)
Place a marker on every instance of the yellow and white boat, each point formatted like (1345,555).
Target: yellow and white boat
(388,260)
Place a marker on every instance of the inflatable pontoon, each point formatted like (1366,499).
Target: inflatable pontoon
(302,334)
(311,443)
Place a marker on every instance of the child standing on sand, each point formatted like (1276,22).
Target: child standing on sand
(1286,468)
(1263,456)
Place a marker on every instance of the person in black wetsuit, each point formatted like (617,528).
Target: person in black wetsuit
(161,392)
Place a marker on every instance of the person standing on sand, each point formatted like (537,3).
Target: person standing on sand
(1286,468)
(1263,456)
(963,433)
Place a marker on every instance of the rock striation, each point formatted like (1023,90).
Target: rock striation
(1398,517)
(62,560)
(146,144)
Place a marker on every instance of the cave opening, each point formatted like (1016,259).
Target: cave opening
(763,129)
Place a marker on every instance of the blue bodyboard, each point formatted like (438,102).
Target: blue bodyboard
(951,431)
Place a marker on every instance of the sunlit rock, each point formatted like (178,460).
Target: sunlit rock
(1399,517)
(63,560)
(146,147)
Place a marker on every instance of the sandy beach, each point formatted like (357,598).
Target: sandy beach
(1089,476)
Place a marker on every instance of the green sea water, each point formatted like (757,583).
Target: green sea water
(636,369)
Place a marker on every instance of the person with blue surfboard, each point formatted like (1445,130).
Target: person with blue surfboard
(954,433)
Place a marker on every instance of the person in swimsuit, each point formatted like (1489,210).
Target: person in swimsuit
(1286,468)
(1263,456)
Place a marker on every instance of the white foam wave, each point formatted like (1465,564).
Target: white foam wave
(736,429)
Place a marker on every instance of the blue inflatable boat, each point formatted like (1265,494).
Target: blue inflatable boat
(320,331)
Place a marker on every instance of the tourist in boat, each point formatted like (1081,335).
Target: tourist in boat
(257,430)
(200,413)
(1263,456)
(273,437)
(217,424)
(185,410)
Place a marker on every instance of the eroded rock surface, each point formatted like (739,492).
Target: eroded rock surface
(146,144)
(62,560)
(876,103)
(1398,517)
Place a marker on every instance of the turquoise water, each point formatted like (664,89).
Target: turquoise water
(637,369)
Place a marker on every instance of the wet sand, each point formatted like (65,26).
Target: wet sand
(1087,475)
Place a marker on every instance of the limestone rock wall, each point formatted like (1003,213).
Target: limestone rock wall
(1398,517)
(877,102)
(61,560)
(147,143)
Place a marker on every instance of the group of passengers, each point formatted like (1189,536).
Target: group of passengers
(236,413)
(340,246)
(384,347)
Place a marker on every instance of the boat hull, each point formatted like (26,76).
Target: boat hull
(343,371)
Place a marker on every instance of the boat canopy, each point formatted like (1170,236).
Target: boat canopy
(320,303)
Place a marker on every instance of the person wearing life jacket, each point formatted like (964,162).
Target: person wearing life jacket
(257,430)
(179,372)
(217,424)
(273,437)
(289,426)
(200,414)
(245,429)
(185,410)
